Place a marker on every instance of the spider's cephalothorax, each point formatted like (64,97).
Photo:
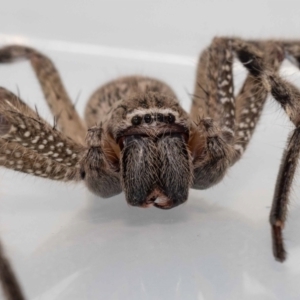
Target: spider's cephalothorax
(145,144)
(152,131)
(142,144)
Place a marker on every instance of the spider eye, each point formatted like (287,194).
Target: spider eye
(160,117)
(136,120)
(170,118)
(148,118)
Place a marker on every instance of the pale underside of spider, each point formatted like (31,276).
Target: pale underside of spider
(144,143)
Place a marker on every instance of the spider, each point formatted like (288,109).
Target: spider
(136,137)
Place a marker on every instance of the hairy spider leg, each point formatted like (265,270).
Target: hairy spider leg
(56,95)
(29,144)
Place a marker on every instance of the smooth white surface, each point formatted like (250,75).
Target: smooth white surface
(68,244)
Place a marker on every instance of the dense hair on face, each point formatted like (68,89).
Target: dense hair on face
(156,167)
(139,169)
(175,168)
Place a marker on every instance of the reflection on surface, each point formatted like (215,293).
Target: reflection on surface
(119,252)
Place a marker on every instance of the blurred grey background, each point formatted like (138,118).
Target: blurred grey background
(68,244)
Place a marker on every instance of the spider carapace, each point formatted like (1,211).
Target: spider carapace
(136,138)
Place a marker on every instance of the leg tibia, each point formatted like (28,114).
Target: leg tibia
(214,91)
(24,127)
(286,94)
(283,188)
(250,102)
(19,158)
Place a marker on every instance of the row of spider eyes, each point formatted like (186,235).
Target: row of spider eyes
(147,118)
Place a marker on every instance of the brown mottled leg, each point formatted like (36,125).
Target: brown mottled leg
(100,104)
(57,98)
(214,94)
(292,51)
(28,144)
(10,285)
(99,167)
(218,154)
(288,97)
(253,95)
(214,97)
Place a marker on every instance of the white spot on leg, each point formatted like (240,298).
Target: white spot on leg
(239,148)
(226,67)
(227,129)
(224,82)
(37,165)
(224,100)
(48,169)
(69,152)
(222,93)
(35,140)
(17,154)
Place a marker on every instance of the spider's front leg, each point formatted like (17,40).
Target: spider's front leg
(214,112)
(99,165)
(213,152)
(262,59)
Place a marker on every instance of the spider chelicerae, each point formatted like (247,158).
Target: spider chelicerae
(144,143)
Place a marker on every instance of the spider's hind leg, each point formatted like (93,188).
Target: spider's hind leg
(288,96)
(57,98)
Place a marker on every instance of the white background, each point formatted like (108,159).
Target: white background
(65,243)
